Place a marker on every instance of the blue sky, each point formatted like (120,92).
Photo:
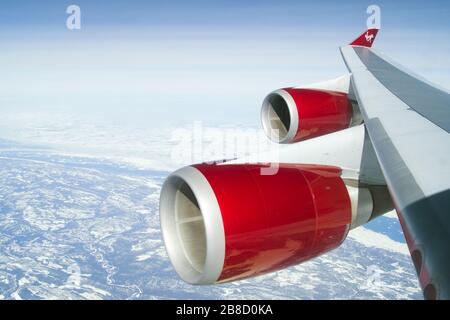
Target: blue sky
(222,13)
(169,62)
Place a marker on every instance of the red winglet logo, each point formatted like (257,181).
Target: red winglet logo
(366,39)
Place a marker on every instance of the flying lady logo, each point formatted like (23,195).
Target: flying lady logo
(369,37)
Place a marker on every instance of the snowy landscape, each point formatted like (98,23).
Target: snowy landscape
(79,220)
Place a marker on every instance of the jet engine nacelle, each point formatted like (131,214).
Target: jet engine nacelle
(293,114)
(224,222)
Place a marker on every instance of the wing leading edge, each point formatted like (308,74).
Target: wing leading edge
(408,121)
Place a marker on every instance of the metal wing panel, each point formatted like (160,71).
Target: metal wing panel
(407,120)
(423,97)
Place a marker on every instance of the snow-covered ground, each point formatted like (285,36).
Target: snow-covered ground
(79,219)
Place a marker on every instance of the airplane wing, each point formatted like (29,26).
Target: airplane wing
(354,148)
(408,122)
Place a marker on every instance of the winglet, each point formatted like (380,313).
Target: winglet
(366,39)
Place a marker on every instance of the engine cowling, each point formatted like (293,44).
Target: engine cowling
(225,222)
(294,114)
